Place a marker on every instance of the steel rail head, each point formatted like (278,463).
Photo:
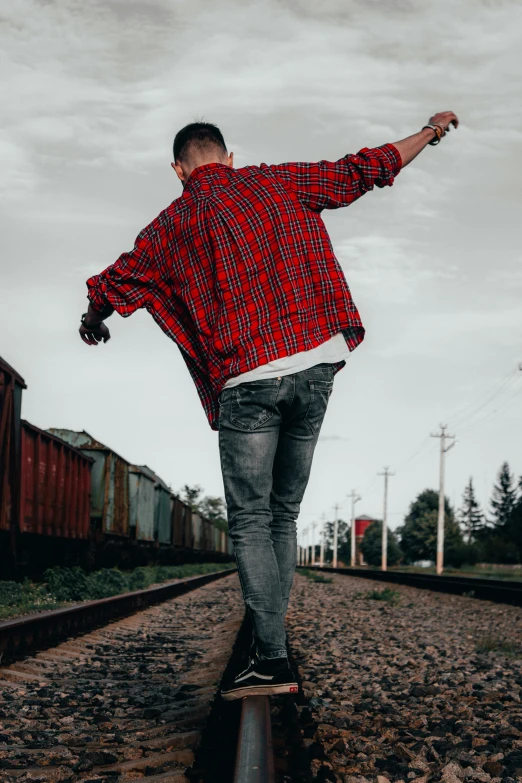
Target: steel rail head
(255,756)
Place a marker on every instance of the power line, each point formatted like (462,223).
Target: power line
(460,418)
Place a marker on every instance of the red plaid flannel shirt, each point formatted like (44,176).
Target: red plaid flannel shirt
(240,269)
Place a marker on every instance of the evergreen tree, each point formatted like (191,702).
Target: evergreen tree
(504,497)
(471,517)
(343,531)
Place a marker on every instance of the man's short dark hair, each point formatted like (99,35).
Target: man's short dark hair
(197,134)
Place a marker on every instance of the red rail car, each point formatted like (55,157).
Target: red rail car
(11,386)
(68,499)
(55,486)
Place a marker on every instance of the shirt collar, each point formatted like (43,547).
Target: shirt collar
(203,177)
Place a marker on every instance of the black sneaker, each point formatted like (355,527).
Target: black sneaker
(262,678)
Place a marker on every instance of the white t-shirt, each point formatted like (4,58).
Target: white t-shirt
(333,350)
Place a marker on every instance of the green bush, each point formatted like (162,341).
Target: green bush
(139,579)
(67,584)
(11,593)
(106,582)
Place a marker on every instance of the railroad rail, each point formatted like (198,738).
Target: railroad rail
(255,755)
(498,590)
(36,632)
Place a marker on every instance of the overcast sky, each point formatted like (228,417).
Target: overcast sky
(92,95)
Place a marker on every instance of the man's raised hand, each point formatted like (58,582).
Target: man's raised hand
(444,119)
(92,335)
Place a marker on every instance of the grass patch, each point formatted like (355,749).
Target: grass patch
(63,586)
(386,594)
(314,575)
(491,643)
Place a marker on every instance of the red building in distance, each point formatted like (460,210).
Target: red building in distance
(362,523)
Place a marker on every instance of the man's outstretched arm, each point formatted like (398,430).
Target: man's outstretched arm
(124,287)
(410,147)
(330,185)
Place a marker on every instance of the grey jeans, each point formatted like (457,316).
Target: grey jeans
(268,430)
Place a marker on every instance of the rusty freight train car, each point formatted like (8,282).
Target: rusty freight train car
(11,386)
(67,498)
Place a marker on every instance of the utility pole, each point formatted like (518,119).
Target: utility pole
(355,498)
(323,533)
(305,534)
(313,526)
(336,534)
(443,435)
(384,553)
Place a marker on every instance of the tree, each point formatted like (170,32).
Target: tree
(471,517)
(215,510)
(419,532)
(342,539)
(371,546)
(504,497)
(191,496)
(212,508)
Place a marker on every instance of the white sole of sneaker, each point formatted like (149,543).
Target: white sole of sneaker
(260,690)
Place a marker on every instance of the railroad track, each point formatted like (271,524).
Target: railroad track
(136,698)
(35,632)
(125,688)
(498,590)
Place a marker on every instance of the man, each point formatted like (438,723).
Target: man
(240,272)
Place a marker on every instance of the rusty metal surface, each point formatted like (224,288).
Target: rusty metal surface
(162,512)
(177,517)
(197,530)
(187,527)
(11,387)
(109,482)
(141,504)
(40,631)
(55,486)
(255,756)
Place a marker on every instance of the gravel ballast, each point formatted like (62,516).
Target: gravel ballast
(420,687)
(125,702)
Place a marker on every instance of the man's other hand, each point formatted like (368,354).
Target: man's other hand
(444,119)
(92,335)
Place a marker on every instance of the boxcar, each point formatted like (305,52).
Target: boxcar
(162,512)
(110,484)
(197,531)
(188,536)
(177,513)
(11,387)
(55,487)
(142,499)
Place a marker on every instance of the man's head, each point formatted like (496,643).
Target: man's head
(197,144)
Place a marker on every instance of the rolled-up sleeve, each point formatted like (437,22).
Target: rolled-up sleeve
(330,185)
(129,283)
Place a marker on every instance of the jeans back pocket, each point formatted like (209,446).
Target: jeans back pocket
(252,404)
